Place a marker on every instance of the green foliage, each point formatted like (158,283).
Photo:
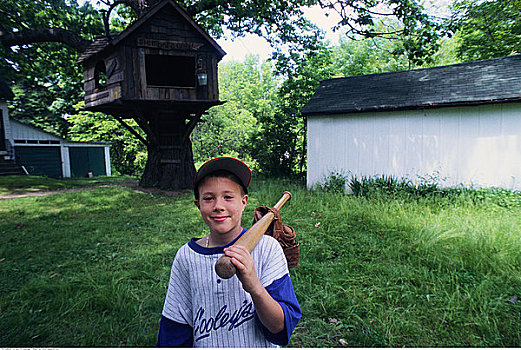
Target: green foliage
(44,76)
(275,20)
(406,22)
(428,187)
(336,182)
(486,29)
(90,268)
(249,91)
(384,185)
(366,56)
(280,145)
(127,153)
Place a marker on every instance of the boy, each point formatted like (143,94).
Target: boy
(255,308)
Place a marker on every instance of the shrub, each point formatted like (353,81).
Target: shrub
(335,182)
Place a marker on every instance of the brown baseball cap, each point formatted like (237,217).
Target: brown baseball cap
(234,166)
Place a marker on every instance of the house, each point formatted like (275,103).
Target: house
(5,95)
(164,59)
(41,153)
(160,71)
(457,125)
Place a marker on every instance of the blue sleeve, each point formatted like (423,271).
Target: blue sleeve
(174,334)
(282,291)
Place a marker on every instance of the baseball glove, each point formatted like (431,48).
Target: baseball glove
(283,233)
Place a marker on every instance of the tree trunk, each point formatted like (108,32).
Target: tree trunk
(170,163)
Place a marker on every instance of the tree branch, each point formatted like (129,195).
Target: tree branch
(26,37)
(202,6)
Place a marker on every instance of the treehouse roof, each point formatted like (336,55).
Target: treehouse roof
(100,44)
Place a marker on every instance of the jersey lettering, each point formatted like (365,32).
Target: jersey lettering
(204,326)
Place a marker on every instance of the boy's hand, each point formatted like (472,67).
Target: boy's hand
(245,266)
(269,311)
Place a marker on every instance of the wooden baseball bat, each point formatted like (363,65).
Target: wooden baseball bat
(224,266)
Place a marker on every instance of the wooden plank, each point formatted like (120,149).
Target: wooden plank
(142,91)
(170,161)
(115,78)
(170,147)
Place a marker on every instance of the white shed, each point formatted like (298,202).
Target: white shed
(459,123)
(43,153)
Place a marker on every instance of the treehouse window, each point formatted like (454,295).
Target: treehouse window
(163,70)
(100,75)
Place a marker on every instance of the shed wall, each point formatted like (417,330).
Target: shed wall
(6,129)
(473,146)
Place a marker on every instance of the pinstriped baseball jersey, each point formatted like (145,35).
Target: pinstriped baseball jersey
(219,311)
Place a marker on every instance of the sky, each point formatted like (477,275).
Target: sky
(238,48)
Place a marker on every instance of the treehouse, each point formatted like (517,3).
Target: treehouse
(164,60)
(162,72)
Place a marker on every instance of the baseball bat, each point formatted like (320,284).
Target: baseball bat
(224,266)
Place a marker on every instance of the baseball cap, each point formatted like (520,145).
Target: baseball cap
(234,166)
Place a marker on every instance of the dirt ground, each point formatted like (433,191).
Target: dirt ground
(131,183)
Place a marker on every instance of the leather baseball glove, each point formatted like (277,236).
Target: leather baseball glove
(283,233)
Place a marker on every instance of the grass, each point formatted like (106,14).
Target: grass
(26,184)
(90,268)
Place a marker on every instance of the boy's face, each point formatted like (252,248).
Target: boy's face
(221,204)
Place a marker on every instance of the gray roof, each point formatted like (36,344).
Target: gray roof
(479,82)
(5,91)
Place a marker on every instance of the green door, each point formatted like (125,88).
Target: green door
(87,159)
(43,161)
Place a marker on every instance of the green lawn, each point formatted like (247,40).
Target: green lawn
(90,268)
(11,185)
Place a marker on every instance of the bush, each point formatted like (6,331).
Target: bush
(334,183)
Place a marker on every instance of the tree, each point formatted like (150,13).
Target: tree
(45,78)
(249,90)
(280,145)
(32,30)
(127,154)
(486,29)
(409,24)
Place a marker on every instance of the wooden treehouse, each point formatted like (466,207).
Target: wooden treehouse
(162,72)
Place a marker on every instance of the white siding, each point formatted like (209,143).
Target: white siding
(24,132)
(26,136)
(474,146)
(4,114)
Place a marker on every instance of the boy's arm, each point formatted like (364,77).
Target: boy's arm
(282,291)
(174,334)
(268,310)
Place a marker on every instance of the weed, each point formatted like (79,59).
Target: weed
(389,267)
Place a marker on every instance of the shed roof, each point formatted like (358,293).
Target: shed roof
(102,43)
(479,82)
(5,90)
(18,127)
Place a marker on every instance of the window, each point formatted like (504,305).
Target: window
(100,75)
(173,71)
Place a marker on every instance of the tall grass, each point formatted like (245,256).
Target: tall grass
(91,268)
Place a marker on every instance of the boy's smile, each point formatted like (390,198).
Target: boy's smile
(221,204)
